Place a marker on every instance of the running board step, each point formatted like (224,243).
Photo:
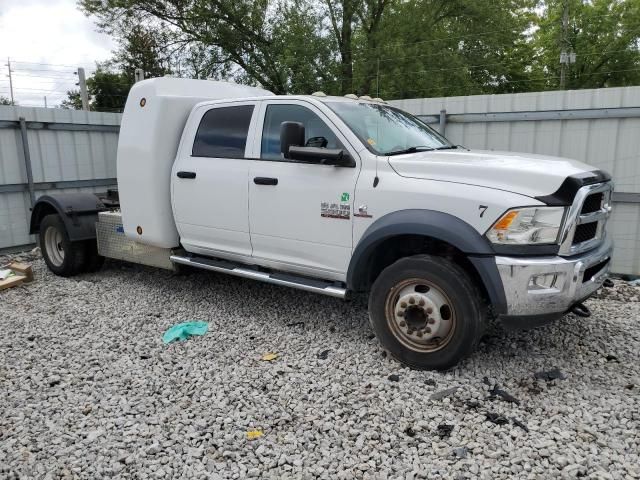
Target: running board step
(284,279)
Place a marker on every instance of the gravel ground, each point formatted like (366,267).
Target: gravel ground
(88,390)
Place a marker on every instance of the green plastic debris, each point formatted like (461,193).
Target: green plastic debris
(182,331)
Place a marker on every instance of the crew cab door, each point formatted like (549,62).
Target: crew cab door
(301,213)
(209,180)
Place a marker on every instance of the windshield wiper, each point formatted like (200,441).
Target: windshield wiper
(417,148)
(447,147)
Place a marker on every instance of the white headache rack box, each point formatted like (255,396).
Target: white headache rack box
(113,243)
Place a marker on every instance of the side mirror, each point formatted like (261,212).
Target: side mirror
(323,156)
(291,134)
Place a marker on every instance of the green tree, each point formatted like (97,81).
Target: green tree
(447,47)
(286,46)
(73,101)
(603,34)
(107,91)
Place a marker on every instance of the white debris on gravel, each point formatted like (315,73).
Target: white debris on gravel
(88,390)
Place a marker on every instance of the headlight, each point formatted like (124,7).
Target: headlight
(527,226)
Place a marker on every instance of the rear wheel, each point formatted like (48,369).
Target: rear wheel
(426,312)
(62,256)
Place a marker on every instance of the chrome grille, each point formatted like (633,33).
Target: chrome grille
(586,220)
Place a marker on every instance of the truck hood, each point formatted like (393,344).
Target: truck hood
(527,174)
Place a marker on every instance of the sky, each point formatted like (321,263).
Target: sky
(46,41)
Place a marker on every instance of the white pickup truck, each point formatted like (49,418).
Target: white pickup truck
(338,195)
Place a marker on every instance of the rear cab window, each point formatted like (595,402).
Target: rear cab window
(223,132)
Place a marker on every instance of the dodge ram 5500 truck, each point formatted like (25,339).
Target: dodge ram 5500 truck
(338,195)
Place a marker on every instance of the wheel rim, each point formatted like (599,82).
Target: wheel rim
(53,246)
(420,315)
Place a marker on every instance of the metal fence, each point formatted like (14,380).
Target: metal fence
(600,127)
(45,150)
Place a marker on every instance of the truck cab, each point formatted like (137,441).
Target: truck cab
(340,195)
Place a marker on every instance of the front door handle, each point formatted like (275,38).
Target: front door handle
(265,181)
(186,174)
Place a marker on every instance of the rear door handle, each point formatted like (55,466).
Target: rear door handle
(186,174)
(265,181)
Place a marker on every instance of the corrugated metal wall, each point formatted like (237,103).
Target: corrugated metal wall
(57,155)
(610,143)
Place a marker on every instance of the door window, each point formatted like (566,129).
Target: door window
(317,133)
(222,132)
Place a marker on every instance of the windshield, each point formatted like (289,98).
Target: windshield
(386,130)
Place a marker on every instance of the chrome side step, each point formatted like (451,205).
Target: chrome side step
(288,280)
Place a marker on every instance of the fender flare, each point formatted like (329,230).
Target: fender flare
(437,225)
(79,212)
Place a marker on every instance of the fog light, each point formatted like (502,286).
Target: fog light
(547,280)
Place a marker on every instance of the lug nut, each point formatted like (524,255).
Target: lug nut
(420,333)
(421,302)
(412,300)
(403,305)
(428,330)
(400,313)
(431,321)
(429,310)
(403,323)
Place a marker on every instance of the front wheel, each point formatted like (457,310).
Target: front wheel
(426,312)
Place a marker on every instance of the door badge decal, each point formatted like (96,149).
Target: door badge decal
(363,212)
(340,210)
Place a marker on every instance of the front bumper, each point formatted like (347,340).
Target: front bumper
(547,287)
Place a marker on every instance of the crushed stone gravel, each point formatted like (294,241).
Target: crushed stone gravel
(88,390)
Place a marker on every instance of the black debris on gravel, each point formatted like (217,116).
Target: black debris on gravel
(323,355)
(295,324)
(410,432)
(394,378)
(472,404)
(497,418)
(497,392)
(430,381)
(444,430)
(549,375)
(612,358)
(520,424)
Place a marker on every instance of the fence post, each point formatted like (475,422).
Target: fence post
(27,160)
(443,122)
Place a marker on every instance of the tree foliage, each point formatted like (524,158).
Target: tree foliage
(604,35)
(389,48)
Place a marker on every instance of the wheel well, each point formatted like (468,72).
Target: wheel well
(392,249)
(40,211)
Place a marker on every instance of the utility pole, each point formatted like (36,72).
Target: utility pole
(138,75)
(82,82)
(10,81)
(566,55)
(378,79)
(45,101)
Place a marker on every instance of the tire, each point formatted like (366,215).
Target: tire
(93,261)
(426,312)
(63,257)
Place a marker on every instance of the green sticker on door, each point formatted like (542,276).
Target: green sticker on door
(344,197)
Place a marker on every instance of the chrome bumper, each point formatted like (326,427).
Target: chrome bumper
(536,286)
